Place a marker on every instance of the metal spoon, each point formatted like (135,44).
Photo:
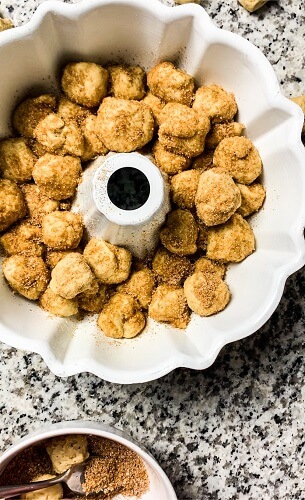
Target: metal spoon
(73,477)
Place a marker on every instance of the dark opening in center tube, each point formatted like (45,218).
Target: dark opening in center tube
(128,188)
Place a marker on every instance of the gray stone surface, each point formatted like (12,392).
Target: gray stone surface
(235,430)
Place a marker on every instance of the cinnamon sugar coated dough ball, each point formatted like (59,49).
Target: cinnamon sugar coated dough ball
(54,492)
(121,317)
(27,274)
(218,104)
(65,451)
(71,276)
(23,238)
(217,197)
(124,125)
(238,157)
(183,130)
(93,299)
(127,82)
(57,305)
(110,263)
(12,205)
(62,230)
(37,203)
(206,266)
(93,145)
(179,235)
(140,286)
(69,110)
(204,161)
(171,84)
(184,188)
(85,83)
(252,198)
(52,257)
(169,163)
(221,130)
(57,177)
(156,105)
(206,293)
(170,268)
(169,305)
(58,136)
(30,112)
(16,160)
(231,242)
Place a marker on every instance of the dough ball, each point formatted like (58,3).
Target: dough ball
(52,257)
(127,82)
(221,130)
(204,161)
(217,197)
(93,299)
(16,160)
(36,147)
(169,305)
(121,317)
(252,198)
(23,238)
(171,84)
(37,203)
(124,125)
(57,177)
(62,230)
(231,242)
(140,286)
(69,111)
(93,145)
(27,274)
(206,293)
(202,239)
(65,451)
(207,266)
(71,276)
(169,163)
(170,268)
(238,157)
(180,233)
(59,136)
(184,188)
(110,263)
(217,103)
(85,83)
(57,305)
(51,493)
(12,204)
(28,114)
(155,104)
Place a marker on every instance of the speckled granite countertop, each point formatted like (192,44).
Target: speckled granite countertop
(236,430)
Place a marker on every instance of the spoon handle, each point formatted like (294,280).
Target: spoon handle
(14,490)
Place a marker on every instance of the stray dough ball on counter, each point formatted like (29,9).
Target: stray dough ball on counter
(65,451)
(85,83)
(238,157)
(169,163)
(24,238)
(37,203)
(124,125)
(183,130)
(58,136)
(16,160)
(206,265)
(57,305)
(218,104)
(27,274)
(204,161)
(93,299)
(180,233)
(140,286)
(184,188)
(171,84)
(156,105)
(169,305)
(71,276)
(217,197)
(56,176)
(93,145)
(231,242)
(170,268)
(54,492)
(127,82)
(68,110)
(110,263)
(221,130)
(12,204)
(31,111)
(62,230)
(6,24)
(206,293)
(252,5)
(121,317)
(252,198)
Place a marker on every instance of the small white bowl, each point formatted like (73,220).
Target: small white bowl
(160,486)
(145,33)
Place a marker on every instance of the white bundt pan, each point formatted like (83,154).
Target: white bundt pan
(141,32)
